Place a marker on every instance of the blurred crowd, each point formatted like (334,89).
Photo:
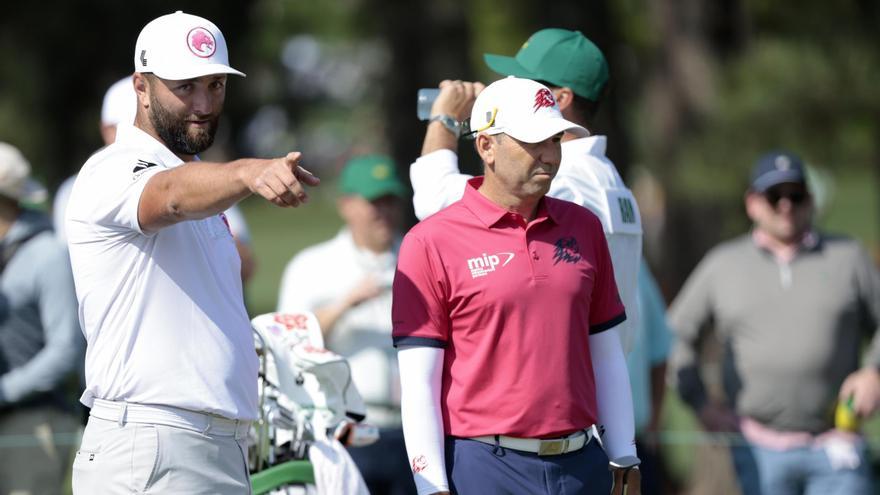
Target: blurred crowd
(772,343)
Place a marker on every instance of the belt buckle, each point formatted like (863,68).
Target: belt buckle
(553,447)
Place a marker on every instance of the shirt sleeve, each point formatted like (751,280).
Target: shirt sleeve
(436,182)
(418,310)
(606,308)
(64,344)
(690,312)
(868,280)
(613,395)
(421,370)
(110,193)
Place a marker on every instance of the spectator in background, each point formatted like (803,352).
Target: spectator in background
(119,107)
(346,282)
(790,306)
(41,344)
(646,363)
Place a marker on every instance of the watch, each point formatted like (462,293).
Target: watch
(448,122)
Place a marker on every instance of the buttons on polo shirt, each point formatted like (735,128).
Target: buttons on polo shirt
(535,256)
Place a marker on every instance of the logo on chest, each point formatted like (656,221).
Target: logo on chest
(486,264)
(566,250)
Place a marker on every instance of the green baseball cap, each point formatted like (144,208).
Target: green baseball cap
(560,57)
(371,177)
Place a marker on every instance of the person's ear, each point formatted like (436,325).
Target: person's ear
(140,88)
(343,204)
(752,201)
(486,148)
(564,97)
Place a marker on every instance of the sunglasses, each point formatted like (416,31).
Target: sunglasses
(796,197)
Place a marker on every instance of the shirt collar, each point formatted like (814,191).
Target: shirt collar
(131,136)
(810,242)
(490,213)
(590,145)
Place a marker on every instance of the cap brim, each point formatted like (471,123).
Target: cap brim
(774,178)
(546,129)
(507,66)
(198,70)
(387,190)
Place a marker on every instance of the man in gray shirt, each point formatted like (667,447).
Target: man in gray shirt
(790,306)
(41,345)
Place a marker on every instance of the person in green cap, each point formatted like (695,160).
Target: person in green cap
(346,283)
(576,72)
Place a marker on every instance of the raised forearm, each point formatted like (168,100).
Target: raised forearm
(191,191)
(197,190)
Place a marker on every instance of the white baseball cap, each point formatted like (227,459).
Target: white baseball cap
(15,181)
(120,103)
(182,46)
(521,108)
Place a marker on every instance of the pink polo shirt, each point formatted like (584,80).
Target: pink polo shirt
(513,305)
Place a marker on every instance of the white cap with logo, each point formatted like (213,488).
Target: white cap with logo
(182,46)
(521,108)
(15,181)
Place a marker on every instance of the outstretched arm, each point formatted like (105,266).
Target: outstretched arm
(198,190)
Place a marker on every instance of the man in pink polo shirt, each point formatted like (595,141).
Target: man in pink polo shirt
(504,308)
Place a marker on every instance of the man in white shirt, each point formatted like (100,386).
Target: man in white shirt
(576,72)
(346,282)
(118,107)
(171,372)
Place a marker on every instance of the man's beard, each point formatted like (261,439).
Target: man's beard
(173,131)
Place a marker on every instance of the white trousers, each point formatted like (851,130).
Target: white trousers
(128,448)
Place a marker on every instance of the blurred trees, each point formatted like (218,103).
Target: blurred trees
(698,89)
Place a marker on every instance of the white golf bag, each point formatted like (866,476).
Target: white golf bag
(306,392)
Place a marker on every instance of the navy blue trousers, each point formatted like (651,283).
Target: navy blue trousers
(480,469)
(384,464)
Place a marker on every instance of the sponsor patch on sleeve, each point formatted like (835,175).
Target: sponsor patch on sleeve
(142,166)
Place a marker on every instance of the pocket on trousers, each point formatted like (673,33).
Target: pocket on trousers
(86,463)
(144,457)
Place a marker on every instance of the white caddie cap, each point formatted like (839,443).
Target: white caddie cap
(182,46)
(521,108)
(120,103)
(15,180)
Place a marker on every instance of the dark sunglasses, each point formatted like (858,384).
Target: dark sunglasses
(796,198)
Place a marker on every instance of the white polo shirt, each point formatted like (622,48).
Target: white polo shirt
(163,313)
(321,275)
(585,177)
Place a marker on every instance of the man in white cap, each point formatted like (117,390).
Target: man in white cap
(171,372)
(119,107)
(504,313)
(576,72)
(41,345)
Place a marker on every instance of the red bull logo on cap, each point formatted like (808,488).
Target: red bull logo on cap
(201,42)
